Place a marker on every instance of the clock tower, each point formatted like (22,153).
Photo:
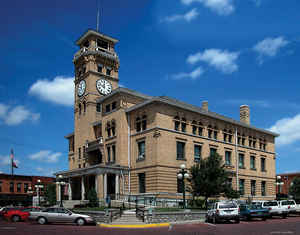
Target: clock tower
(96,75)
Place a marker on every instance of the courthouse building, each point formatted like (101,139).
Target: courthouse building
(128,143)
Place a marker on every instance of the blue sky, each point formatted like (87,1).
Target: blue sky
(229,52)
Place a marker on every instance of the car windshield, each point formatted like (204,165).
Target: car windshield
(270,204)
(227,205)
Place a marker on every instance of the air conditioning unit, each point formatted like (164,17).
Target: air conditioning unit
(101,140)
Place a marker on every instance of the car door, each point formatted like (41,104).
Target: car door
(52,215)
(65,215)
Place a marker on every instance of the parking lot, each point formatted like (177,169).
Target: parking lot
(291,225)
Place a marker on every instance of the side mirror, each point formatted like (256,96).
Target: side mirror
(70,213)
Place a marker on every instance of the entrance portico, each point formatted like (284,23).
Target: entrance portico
(105,179)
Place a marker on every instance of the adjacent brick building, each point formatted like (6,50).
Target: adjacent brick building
(125,142)
(14,188)
(286,179)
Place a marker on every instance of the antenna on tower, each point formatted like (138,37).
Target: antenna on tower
(97,16)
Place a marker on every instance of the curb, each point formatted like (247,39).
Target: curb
(134,225)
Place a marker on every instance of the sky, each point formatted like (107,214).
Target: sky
(228,52)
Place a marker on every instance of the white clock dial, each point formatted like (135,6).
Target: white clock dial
(103,86)
(81,88)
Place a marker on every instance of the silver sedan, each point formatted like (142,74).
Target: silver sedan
(60,215)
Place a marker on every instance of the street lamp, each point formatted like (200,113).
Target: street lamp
(279,183)
(60,183)
(38,186)
(181,175)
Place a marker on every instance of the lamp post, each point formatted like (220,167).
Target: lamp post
(60,183)
(30,192)
(181,175)
(279,183)
(38,186)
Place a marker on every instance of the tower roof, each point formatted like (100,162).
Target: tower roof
(90,32)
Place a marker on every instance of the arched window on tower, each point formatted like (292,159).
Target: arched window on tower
(108,129)
(138,124)
(84,106)
(144,122)
(113,128)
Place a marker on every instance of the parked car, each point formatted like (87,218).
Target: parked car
(15,214)
(60,215)
(274,207)
(33,210)
(220,211)
(290,205)
(253,211)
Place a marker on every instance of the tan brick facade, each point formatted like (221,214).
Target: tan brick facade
(124,137)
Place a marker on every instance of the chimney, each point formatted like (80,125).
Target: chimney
(245,114)
(205,105)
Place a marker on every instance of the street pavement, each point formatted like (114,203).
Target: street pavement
(276,226)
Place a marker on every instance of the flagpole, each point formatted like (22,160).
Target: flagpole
(12,167)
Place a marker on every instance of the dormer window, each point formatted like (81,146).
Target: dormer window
(86,44)
(100,68)
(102,44)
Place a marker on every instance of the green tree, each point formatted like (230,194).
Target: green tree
(92,197)
(50,194)
(295,188)
(231,193)
(209,177)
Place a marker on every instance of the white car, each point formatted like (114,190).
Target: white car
(275,209)
(290,205)
(220,211)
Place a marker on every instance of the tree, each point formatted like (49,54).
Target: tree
(231,193)
(92,197)
(50,194)
(209,177)
(295,188)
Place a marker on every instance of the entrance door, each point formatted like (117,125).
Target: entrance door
(111,186)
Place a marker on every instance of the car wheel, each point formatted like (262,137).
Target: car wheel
(248,218)
(284,216)
(214,220)
(15,218)
(237,220)
(264,218)
(80,221)
(42,220)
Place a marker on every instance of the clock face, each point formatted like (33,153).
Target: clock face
(81,88)
(103,86)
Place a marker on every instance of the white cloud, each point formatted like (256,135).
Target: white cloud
(189,16)
(192,75)
(5,161)
(289,130)
(46,156)
(222,60)
(60,90)
(16,115)
(269,47)
(221,7)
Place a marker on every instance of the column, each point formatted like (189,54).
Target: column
(96,183)
(117,186)
(82,188)
(59,192)
(105,186)
(70,189)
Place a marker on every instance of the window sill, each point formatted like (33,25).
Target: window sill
(140,159)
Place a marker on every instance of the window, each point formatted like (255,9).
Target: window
(113,128)
(114,105)
(252,163)
(209,133)
(100,68)
(263,164)
(200,131)
(84,107)
(179,185)
(241,160)
(141,150)
(138,124)
(228,158)
(86,44)
(79,109)
(25,187)
(213,151)
(176,123)
(84,69)
(183,125)
(144,122)
(98,107)
(243,140)
(0,186)
(102,44)
(11,187)
(79,166)
(108,154)
(108,71)
(194,128)
(253,187)
(113,150)
(197,153)
(242,186)
(180,150)
(107,108)
(229,182)
(141,123)
(19,185)
(215,135)
(142,182)
(230,136)
(79,153)
(263,188)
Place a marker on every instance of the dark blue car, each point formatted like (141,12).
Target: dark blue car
(253,211)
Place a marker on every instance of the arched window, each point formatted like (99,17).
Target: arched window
(176,123)
(144,122)
(138,124)
(113,127)
(183,125)
(108,129)
(84,106)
